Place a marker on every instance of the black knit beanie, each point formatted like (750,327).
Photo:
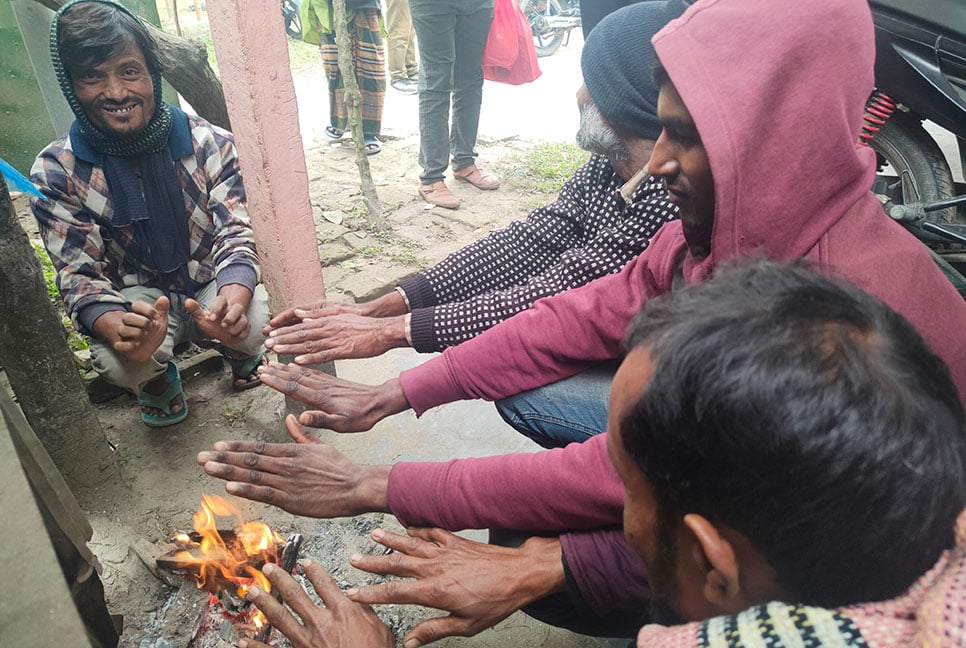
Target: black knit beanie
(618,60)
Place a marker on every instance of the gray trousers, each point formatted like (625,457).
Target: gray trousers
(118,370)
(451,34)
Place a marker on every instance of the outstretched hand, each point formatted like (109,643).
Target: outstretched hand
(304,478)
(385,306)
(324,338)
(340,624)
(313,310)
(140,331)
(478,584)
(226,320)
(339,405)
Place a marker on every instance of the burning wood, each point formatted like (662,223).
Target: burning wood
(226,563)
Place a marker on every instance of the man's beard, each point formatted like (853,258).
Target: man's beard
(597,137)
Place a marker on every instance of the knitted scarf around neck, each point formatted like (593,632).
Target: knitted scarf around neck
(140,173)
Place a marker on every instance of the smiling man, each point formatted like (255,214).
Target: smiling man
(144,216)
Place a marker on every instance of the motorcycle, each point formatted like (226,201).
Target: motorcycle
(920,74)
(293,23)
(551,22)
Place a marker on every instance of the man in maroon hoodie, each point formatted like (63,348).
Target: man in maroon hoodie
(764,104)
(790,453)
(762,114)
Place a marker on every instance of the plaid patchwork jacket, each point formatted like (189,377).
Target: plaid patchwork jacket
(95,259)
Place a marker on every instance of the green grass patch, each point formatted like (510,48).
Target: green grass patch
(75,340)
(406,258)
(546,167)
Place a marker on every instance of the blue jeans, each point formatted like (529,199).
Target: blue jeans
(451,36)
(567,411)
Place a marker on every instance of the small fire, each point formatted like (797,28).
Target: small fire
(217,563)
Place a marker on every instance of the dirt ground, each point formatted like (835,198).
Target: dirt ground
(160,485)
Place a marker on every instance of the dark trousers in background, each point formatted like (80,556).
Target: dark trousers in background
(451,35)
(593,11)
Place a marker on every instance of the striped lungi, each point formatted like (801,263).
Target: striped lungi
(368,53)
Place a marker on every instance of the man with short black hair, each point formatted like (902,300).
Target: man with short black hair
(144,216)
(790,452)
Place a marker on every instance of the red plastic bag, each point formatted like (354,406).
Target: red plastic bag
(523,68)
(502,45)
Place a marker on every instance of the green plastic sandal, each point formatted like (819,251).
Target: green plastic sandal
(242,370)
(163,401)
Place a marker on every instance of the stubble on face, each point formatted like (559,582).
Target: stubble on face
(117,95)
(649,529)
(661,571)
(596,136)
(679,157)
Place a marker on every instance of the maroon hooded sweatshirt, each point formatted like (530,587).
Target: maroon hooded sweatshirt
(778,107)
(777,91)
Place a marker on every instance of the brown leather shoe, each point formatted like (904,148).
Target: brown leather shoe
(439,194)
(479,178)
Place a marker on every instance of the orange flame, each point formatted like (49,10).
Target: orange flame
(216,562)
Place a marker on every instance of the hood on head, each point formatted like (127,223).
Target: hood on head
(617,60)
(776,90)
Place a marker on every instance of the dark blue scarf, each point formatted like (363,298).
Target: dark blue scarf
(147,195)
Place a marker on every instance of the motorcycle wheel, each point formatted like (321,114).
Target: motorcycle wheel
(546,39)
(916,159)
(293,24)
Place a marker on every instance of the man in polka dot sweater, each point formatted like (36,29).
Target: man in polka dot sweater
(604,216)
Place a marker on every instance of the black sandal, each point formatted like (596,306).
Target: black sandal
(243,371)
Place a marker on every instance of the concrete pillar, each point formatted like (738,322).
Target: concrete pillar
(253,63)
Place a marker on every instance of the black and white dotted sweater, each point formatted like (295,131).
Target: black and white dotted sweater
(588,232)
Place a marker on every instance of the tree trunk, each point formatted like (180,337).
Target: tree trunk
(41,369)
(353,103)
(186,68)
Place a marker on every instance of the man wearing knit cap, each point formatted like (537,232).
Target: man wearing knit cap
(144,216)
(604,217)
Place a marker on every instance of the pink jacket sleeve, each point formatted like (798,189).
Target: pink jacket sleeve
(554,490)
(566,489)
(557,337)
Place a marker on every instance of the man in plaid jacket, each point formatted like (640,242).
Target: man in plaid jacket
(144,216)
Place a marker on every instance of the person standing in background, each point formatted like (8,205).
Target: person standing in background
(593,11)
(452,35)
(365,26)
(401,47)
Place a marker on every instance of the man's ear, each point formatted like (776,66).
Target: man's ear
(722,584)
